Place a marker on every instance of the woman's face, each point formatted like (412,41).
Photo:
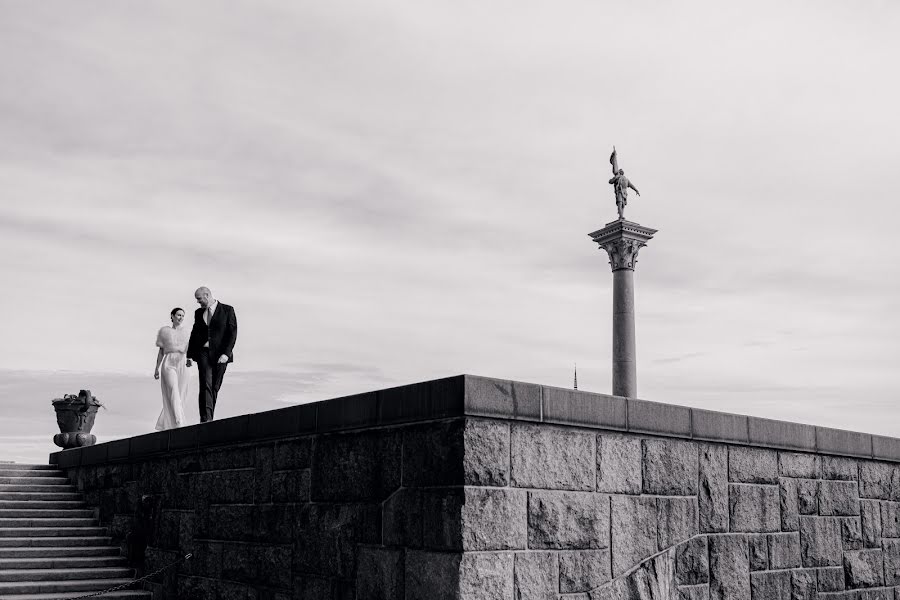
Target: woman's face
(177,318)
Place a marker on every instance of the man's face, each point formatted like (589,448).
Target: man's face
(202,298)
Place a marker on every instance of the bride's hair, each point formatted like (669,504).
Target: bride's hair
(175,310)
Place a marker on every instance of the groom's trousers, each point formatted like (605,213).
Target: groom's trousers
(211,374)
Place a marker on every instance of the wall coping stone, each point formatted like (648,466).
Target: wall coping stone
(471,395)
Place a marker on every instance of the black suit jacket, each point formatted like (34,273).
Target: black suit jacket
(221,333)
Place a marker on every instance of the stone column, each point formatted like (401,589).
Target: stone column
(622,240)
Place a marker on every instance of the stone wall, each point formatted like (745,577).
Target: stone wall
(473,488)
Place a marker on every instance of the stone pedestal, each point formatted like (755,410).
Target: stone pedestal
(622,240)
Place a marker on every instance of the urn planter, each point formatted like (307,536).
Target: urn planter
(75,416)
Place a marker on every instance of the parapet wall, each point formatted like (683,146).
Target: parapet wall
(470,487)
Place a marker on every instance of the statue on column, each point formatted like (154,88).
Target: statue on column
(620,184)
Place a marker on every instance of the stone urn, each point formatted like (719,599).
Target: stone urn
(75,416)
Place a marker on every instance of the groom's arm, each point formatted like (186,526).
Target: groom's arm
(230,336)
(193,342)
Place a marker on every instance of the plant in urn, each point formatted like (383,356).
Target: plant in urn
(75,416)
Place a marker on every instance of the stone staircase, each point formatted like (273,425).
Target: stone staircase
(51,546)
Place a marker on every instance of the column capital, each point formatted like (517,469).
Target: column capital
(622,240)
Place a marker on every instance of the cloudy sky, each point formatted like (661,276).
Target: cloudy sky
(390,192)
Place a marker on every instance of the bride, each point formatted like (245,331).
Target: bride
(172,342)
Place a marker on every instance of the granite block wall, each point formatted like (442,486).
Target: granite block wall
(327,516)
(576,514)
(471,488)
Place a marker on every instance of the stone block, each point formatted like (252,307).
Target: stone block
(754,508)
(570,520)
(729,567)
(885,448)
(851,533)
(875,594)
(752,465)
(534,575)
(718,427)
(292,454)
(839,467)
(282,422)
(431,575)
(781,434)
(798,464)
(197,588)
(349,412)
(502,399)
(693,592)
(238,564)
(583,570)
(433,454)
(494,519)
(790,508)
(290,486)
(759,552)
(618,464)
(486,576)
(402,518)
(658,418)
(271,523)
(890,519)
(808,496)
(830,579)
(841,442)
(223,431)
(864,568)
(712,495)
(803,584)
(273,565)
(571,407)
(692,562)
(784,550)
(891,551)
(670,467)
(437,399)
(820,541)
(486,453)
(654,578)
(879,480)
(771,585)
(442,518)
(325,537)
(553,458)
(379,574)
(350,467)
(677,520)
(634,534)
(839,498)
(870,517)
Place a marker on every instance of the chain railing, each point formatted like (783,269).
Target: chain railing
(131,583)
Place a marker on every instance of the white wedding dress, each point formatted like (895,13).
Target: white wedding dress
(173,376)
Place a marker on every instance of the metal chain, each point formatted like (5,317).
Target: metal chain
(131,583)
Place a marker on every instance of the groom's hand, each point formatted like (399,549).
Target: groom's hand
(223,359)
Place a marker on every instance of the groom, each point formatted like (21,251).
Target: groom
(211,345)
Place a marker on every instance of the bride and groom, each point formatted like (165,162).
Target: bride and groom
(209,344)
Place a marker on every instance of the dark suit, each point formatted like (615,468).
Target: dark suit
(221,334)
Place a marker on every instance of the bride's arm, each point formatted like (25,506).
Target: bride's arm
(159,356)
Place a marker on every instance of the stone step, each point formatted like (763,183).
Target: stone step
(55,541)
(51,531)
(41,504)
(27,467)
(36,575)
(61,562)
(120,595)
(34,480)
(4,472)
(46,513)
(46,496)
(51,522)
(57,488)
(58,586)
(54,552)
